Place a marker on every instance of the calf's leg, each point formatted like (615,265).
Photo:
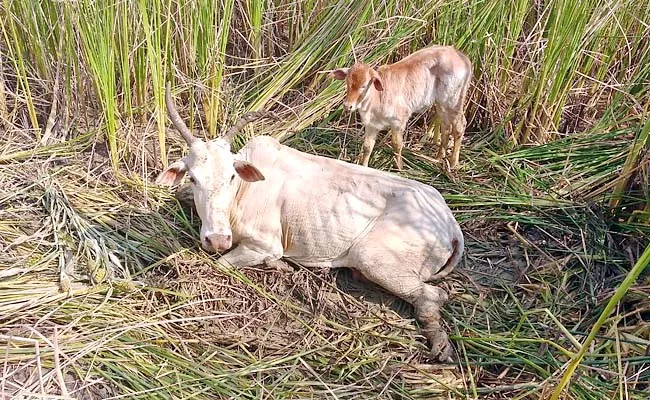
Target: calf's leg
(427,301)
(368,144)
(444,116)
(397,140)
(432,133)
(444,140)
(458,130)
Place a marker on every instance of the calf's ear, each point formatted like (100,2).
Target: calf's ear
(339,74)
(376,80)
(248,171)
(173,174)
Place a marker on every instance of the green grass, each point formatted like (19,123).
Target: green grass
(104,291)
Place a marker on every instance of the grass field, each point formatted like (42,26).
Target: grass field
(105,292)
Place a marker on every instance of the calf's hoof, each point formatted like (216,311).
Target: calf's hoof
(441,348)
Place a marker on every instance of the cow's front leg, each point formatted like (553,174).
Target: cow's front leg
(247,256)
(279,266)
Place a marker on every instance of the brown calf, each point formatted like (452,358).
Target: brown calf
(387,97)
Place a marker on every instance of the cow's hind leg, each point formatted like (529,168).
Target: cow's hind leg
(389,272)
(427,301)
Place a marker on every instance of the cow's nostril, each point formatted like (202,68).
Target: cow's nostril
(205,243)
(220,242)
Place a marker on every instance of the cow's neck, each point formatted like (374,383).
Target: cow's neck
(261,156)
(235,213)
(240,191)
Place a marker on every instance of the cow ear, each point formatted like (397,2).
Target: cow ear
(248,171)
(378,84)
(339,74)
(173,174)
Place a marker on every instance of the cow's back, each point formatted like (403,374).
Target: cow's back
(327,205)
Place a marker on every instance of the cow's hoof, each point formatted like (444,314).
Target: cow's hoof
(278,266)
(441,348)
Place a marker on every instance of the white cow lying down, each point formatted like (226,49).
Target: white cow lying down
(272,201)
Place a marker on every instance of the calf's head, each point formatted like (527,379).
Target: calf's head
(215,174)
(359,80)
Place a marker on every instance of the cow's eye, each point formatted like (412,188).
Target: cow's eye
(192,180)
(232,177)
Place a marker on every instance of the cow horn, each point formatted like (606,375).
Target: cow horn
(246,119)
(176,119)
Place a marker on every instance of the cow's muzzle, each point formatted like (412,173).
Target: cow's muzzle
(217,242)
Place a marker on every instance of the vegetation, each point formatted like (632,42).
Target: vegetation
(104,291)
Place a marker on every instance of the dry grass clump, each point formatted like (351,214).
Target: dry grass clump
(164,319)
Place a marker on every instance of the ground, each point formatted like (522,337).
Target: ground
(140,308)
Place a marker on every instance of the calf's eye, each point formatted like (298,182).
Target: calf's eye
(192,180)
(232,177)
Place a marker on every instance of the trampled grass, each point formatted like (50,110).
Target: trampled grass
(105,293)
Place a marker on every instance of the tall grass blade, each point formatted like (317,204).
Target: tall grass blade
(623,288)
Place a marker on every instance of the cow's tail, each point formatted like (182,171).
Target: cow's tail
(456,254)
(457,245)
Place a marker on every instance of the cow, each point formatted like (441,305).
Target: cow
(386,98)
(269,201)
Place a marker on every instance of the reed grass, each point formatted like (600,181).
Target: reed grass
(104,292)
